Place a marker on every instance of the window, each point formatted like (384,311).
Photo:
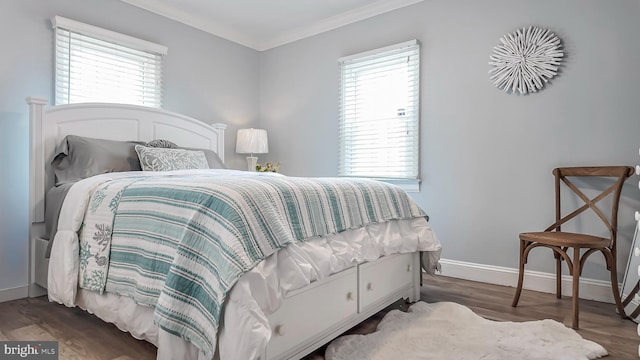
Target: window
(97,65)
(379,113)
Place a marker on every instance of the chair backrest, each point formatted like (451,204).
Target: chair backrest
(622,173)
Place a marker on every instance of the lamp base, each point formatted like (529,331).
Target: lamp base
(251,162)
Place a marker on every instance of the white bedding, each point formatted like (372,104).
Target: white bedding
(258,293)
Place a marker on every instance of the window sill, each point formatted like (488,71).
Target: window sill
(408,185)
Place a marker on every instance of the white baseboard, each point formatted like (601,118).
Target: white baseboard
(14,293)
(590,289)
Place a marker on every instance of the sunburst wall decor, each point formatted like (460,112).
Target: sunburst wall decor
(525,60)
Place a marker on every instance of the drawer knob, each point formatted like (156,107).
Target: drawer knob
(349,296)
(278,330)
(637,215)
(369,286)
(636,251)
(408,268)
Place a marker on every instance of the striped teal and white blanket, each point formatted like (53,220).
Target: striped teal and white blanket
(179,243)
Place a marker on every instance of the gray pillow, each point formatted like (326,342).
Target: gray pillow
(163,159)
(78,157)
(161,143)
(213,159)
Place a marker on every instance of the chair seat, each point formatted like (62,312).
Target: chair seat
(560,238)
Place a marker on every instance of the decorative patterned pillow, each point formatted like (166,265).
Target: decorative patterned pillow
(161,143)
(162,159)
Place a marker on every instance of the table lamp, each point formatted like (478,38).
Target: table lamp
(252,141)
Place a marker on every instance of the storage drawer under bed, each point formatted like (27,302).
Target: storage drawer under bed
(320,306)
(314,315)
(385,278)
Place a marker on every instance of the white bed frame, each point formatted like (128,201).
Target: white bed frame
(48,125)
(340,301)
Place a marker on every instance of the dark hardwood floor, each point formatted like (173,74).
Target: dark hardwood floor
(84,336)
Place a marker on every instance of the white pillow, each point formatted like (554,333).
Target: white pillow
(163,159)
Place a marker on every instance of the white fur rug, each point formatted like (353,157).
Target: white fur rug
(448,330)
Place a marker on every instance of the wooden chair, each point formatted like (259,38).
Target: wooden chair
(560,241)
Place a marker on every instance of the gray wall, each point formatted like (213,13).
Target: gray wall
(486,157)
(205,77)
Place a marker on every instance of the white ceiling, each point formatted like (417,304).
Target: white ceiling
(265,24)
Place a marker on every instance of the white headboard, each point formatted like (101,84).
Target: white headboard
(50,124)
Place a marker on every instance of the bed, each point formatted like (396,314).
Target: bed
(338,276)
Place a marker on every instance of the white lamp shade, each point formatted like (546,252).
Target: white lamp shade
(252,141)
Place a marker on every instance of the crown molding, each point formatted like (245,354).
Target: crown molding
(231,34)
(198,22)
(337,21)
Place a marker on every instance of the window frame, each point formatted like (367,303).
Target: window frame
(348,65)
(103,35)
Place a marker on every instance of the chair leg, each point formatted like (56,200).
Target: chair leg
(576,285)
(516,298)
(558,276)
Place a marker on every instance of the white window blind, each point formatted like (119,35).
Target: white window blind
(379,113)
(97,65)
